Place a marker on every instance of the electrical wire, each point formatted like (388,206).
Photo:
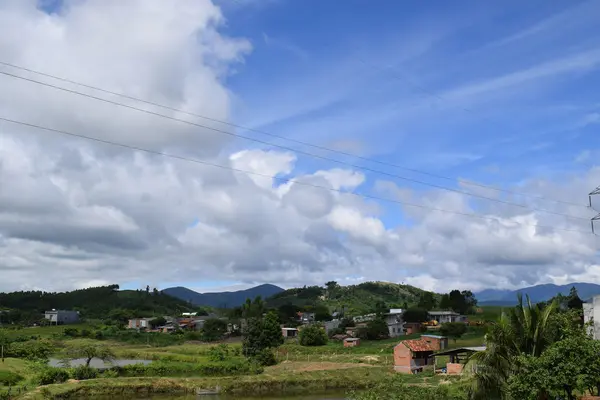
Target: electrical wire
(277,178)
(289,148)
(319,147)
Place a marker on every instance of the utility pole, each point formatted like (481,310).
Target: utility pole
(597,217)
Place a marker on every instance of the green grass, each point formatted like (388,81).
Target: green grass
(43,331)
(490,313)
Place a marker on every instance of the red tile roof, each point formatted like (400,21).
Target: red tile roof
(419,345)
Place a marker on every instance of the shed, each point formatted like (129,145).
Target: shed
(351,342)
(457,359)
(289,332)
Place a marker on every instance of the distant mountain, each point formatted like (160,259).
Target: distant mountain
(222,299)
(536,293)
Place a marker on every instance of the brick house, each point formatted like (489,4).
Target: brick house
(412,356)
(351,342)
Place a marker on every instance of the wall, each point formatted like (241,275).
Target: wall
(454,369)
(402,359)
(591,312)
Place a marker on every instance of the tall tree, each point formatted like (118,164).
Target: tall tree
(427,301)
(573,300)
(523,330)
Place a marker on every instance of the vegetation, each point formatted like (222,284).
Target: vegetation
(313,335)
(89,352)
(97,302)
(261,335)
(396,388)
(376,329)
(214,329)
(453,330)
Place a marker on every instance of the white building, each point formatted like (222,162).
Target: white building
(395,322)
(591,313)
(61,317)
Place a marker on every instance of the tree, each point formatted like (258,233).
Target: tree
(313,335)
(213,329)
(427,301)
(158,321)
(261,333)
(332,287)
(453,329)
(322,313)
(253,309)
(148,289)
(573,300)
(4,343)
(376,329)
(415,315)
(90,351)
(522,331)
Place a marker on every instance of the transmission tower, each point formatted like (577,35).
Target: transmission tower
(597,217)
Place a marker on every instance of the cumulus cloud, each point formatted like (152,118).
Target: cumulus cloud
(91,214)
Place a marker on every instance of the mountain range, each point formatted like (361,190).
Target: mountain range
(222,299)
(536,293)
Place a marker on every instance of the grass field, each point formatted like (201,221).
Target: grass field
(299,369)
(42,331)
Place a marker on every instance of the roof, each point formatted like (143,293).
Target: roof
(443,313)
(418,345)
(435,336)
(461,350)
(351,339)
(289,329)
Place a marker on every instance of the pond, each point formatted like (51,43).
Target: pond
(96,363)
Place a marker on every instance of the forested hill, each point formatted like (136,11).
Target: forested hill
(356,299)
(96,302)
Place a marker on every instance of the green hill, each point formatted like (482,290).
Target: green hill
(97,302)
(355,299)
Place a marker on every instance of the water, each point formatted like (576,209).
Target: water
(97,363)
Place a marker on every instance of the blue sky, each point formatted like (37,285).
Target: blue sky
(501,93)
(456,90)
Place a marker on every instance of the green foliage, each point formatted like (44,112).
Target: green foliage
(525,330)
(313,335)
(261,333)
(214,329)
(322,313)
(415,315)
(354,299)
(376,329)
(219,353)
(83,372)
(50,375)
(427,301)
(461,302)
(396,389)
(453,330)
(89,351)
(96,302)
(30,350)
(265,358)
(158,321)
(9,378)
(160,368)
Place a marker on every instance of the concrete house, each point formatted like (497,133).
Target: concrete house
(445,316)
(289,332)
(591,313)
(62,317)
(394,322)
(306,317)
(412,356)
(139,323)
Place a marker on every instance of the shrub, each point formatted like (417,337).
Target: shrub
(82,373)
(218,353)
(265,357)
(9,378)
(110,373)
(233,367)
(71,332)
(376,329)
(50,375)
(31,350)
(313,335)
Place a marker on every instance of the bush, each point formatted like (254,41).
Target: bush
(265,357)
(376,329)
(50,375)
(218,353)
(9,378)
(30,350)
(313,335)
(159,368)
(71,332)
(82,373)
(110,373)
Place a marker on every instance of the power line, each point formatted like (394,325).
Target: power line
(319,147)
(291,149)
(277,178)
(597,216)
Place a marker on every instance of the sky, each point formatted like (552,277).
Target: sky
(434,144)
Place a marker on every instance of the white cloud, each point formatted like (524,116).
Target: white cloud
(89,214)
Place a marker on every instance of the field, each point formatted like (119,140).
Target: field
(188,368)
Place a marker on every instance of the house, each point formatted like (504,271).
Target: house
(331,325)
(306,317)
(289,332)
(62,317)
(440,342)
(412,356)
(412,327)
(591,314)
(139,323)
(351,342)
(394,322)
(445,316)
(457,359)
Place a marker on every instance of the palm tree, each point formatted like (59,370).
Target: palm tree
(522,331)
